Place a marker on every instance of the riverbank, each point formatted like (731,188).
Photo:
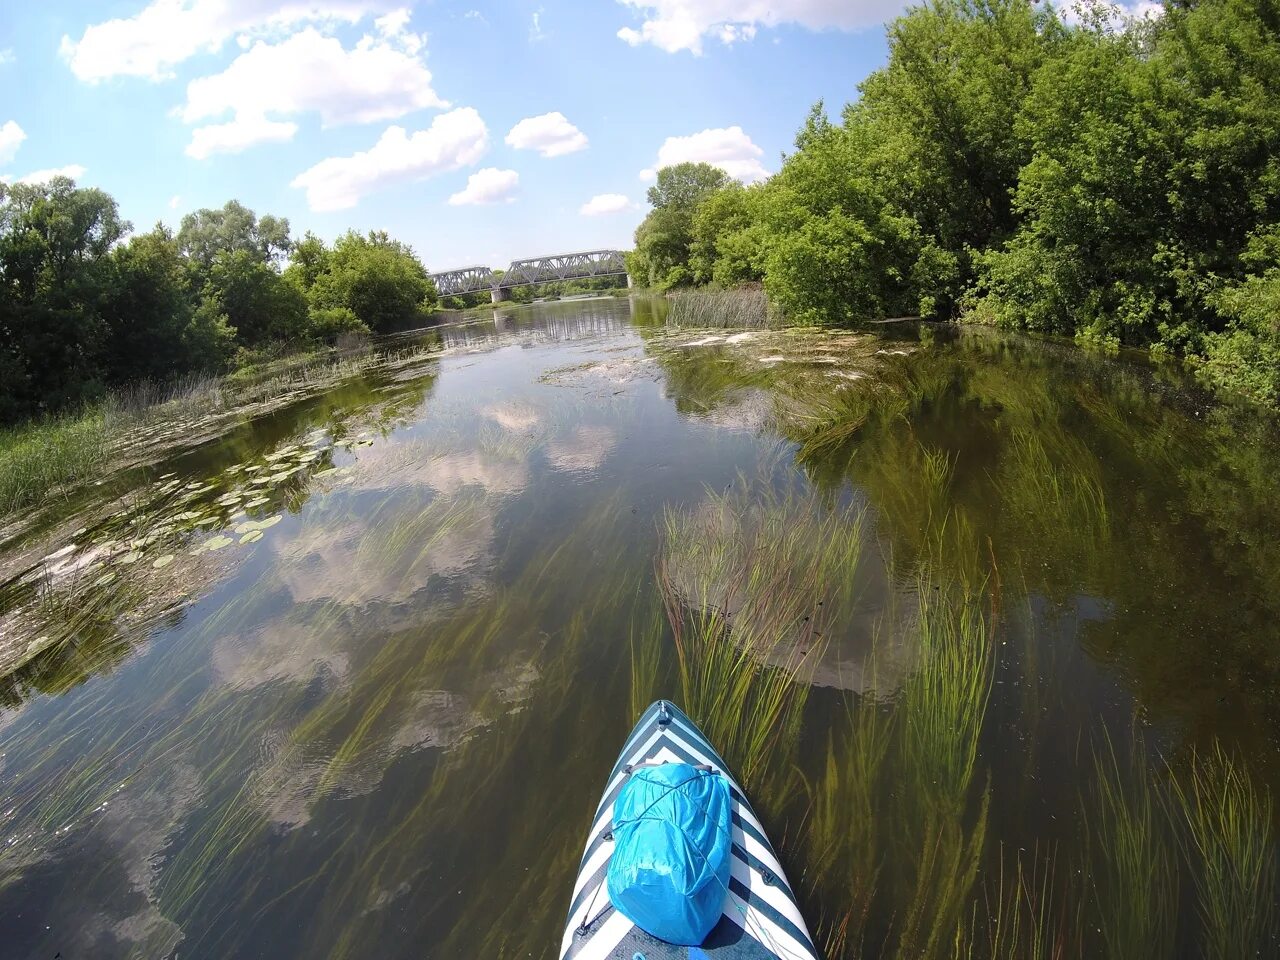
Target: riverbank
(41,460)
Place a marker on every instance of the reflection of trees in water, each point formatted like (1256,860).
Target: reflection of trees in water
(65,619)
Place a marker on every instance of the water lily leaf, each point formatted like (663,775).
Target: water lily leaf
(161,562)
(245,527)
(253,536)
(133,556)
(269,522)
(256,502)
(218,542)
(105,579)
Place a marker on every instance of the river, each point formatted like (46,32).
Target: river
(340,674)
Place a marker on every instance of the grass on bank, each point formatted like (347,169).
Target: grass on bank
(45,459)
(39,458)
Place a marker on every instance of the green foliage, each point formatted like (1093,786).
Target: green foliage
(82,310)
(55,278)
(207,233)
(663,239)
(377,280)
(328,323)
(1115,181)
(154,325)
(258,303)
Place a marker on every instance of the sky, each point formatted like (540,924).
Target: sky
(478,132)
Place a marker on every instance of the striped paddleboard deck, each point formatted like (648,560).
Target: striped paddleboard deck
(761,920)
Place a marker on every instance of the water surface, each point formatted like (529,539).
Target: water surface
(341,676)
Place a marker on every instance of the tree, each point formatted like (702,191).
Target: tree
(154,328)
(258,303)
(205,234)
(55,275)
(683,185)
(377,279)
(661,255)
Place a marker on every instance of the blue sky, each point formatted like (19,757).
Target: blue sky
(477,132)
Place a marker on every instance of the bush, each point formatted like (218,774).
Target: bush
(327,324)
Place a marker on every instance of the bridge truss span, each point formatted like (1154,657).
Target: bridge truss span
(537,270)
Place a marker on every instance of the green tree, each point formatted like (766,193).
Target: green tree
(661,254)
(205,234)
(153,326)
(380,280)
(55,274)
(258,303)
(682,186)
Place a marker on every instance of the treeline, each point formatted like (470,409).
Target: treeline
(1113,180)
(83,309)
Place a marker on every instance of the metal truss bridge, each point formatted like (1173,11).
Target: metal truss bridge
(560,266)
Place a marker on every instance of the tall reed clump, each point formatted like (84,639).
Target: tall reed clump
(739,307)
(943,706)
(46,457)
(747,579)
(1133,871)
(1231,847)
(898,819)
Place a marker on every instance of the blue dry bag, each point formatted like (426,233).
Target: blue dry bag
(669,874)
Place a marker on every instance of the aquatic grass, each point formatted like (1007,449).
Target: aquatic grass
(844,827)
(741,307)
(42,460)
(744,578)
(945,700)
(943,706)
(1134,883)
(1023,915)
(1232,846)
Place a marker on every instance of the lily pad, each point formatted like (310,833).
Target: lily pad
(253,536)
(218,542)
(161,562)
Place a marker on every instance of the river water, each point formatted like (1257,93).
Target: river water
(990,628)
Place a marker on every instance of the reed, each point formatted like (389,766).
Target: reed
(1133,873)
(744,579)
(1229,822)
(741,307)
(44,459)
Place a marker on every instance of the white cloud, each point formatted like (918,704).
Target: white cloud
(728,148)
(174,201)
(73,170)
(551,134)
(167,32)
(489,185)
(535,26)
(606,203)
(454,139)
(673,25)
(11,137)
(6,56)
(237,135)
(1116,18)
(382,77)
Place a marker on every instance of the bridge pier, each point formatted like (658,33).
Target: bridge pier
(499,295)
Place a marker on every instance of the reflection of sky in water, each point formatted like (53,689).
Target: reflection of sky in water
(374,696)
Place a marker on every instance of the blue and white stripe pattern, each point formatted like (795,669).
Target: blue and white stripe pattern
(761,920)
